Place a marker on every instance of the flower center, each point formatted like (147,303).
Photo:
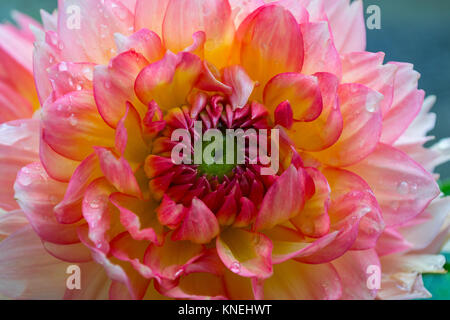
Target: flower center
(226,175)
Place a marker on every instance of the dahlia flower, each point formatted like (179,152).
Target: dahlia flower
(87,176)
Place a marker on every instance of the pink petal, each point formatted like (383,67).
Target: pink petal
(93,39)
(271,43)
(367,68)
(320,52)
(98,287)
(97,212)
(18,147)
(402,187)
(150,15)
(169,81)
(18,279)
(323,132)
(406,103)
(242,85)
(11,222)
(313,221)
(302,92)
(283,201)
(293,280)
(139,218)
(37,195)
(118,172)
(114,86)
(67,77)
(58,167)
(352,268)
(169,260)
(390,242)
(69,210)
(144,41)
(245,253)
(360,108)
(347,24)
(72,126)
(199,226)
(213,17)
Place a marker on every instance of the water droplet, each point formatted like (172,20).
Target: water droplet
(371,107)
(73,120)
(79,87)
(179,273)
(25,179)
(88,73)
(403,188)
(235,267)
(63,67)
(95,204)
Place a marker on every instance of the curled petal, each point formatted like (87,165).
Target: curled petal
(270,43)
(139,218)
(72,126)
(360,108)
(323,132)
(144,41)
(114,86)
(69,209)
(212,17)
(283,201)
(406,104)
(320,52)
(313,220)
(37,195)
(242,85)
(200,225)
(302,92)
(197,286)
(169,260)
(67,77)
(245,253)
(97,212)
(118,172)
(168,81)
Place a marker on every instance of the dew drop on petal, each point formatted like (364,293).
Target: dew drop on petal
(179,273)
(403,188)
(73,120)
(63,67)
(88,73)
(235,267)
(95,204)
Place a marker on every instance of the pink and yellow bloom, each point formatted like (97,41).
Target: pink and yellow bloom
(96,185)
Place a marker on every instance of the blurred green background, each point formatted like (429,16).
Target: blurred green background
(415,31)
